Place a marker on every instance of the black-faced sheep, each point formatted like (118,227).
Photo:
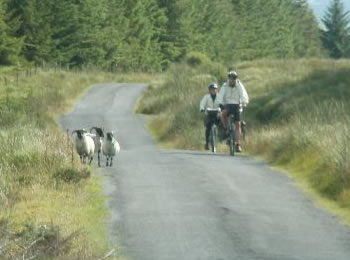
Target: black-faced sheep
(110,148)
(98,140)
(84,144)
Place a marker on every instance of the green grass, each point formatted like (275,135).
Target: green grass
(298,118)
(51,207)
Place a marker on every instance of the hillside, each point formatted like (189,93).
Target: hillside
(297,118)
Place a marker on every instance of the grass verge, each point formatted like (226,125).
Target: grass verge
(51,207)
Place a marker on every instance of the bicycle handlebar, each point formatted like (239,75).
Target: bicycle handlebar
(213,109)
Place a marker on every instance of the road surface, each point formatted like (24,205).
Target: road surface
(174,204)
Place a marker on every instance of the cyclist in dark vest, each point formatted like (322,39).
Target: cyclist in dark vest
(232,95)
(210,100)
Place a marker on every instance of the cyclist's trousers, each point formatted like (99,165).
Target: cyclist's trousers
(208,124)
(233,109)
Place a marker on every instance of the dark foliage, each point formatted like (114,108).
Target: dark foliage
(148,35)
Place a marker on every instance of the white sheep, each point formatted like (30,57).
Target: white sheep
(84,144)
(110,148)
(98,140)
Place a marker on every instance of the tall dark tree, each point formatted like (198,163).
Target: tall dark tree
(78,32)
(34,28)
(89,46)
(10,45)
(172,40)
(65,26)
(336,36)
(205,26)
(274,29)
(115,33)
(146,22)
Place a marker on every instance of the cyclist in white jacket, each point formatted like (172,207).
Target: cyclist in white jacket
(210,100)
(232,95)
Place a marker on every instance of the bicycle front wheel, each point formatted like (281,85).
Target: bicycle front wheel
(213,138)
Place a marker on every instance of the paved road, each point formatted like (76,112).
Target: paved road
(173,204)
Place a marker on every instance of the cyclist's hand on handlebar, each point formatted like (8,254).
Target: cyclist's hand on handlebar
(221,106)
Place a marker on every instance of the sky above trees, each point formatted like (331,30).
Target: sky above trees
(320,6)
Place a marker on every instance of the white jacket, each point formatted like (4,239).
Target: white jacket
(207,102)
(233,95)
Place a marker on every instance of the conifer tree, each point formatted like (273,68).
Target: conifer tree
(172,40)
(77,32)
(336,36)
(146,24)
(205,26)
(10,45)
(89,46)
(274,29)
(114,32)
(65,25)
(34,28)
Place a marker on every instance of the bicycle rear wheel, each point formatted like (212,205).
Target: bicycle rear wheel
(243,129)
(232,137)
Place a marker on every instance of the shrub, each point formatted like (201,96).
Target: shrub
(39,241)
(195,59)
(72,175)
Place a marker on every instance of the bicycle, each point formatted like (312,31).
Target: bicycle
(212,114)
(232,130)
(232,134)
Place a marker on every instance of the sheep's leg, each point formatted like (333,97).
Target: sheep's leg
(91,158)
(98,159)
(107,161)
(111,164)
(86,159)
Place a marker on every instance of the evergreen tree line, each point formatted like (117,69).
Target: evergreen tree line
(148,35)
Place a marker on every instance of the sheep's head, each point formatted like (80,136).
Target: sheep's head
(98,130)
(110,135)
(79,133)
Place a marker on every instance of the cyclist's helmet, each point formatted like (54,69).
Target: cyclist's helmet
(232,74)
(212,85)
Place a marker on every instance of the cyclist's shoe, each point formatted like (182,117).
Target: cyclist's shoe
(238,148)
(206,147)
